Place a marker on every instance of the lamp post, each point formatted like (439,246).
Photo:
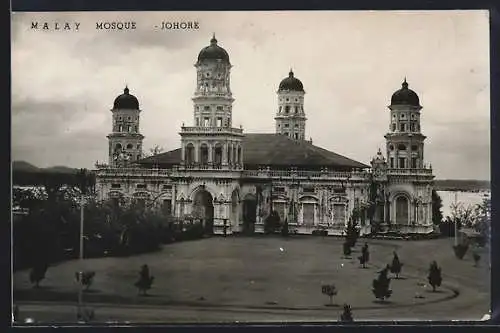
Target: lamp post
(80,273)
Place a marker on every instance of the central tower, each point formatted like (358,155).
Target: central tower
(212,143)
(405,141)
(290,118)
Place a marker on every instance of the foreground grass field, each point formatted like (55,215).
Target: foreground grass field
(274,275)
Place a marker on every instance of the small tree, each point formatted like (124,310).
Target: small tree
(437,204)
(272,222)
(396,265)
(346,248)
(329,290)
(87,278)
(145,280)
(365,255)
(476,258)
(460,250)
(284,229)
(434,277)
(37,273)
(352,232)
(346,316)
(381,285)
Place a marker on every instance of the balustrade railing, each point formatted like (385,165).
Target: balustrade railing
(134,172)
(409,171)
(300,174)
(211,129)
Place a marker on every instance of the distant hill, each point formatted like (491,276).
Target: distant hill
(22,166)
(461,185)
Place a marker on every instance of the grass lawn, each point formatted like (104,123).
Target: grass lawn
(281,273)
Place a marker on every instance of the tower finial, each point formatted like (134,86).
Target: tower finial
(126,89)
(405,84)
(290,74)
(213,41)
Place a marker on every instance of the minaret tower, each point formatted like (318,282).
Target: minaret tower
(290,118)
(125,140)
(405,141)
(212,142)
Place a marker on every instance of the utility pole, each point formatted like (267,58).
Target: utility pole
(456,227)
(83,188)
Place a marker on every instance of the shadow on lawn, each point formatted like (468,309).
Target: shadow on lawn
(383,302)
(437,291)
(91,291)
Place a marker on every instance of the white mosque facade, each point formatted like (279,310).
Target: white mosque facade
(232,180)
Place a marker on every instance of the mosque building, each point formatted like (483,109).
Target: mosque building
(232,180)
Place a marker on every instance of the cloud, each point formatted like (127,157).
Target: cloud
(64,83)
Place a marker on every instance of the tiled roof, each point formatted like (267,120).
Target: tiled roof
(273,150)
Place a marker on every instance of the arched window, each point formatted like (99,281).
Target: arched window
(118,146)
(130,146)
(218,154)
(401,146)
(229,154)
(287,109)
(239,155)
(235,157)
(204,154)
(189,152)
(393,127)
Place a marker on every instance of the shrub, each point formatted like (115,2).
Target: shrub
(272,223)
(346,248)
(352,233)
(37,273)
(330,290)
(145,280)
(476,258)
(396,265)
(87,278)
(381,285)
(320,232)
(365,255)
(346,316)
(284,229)
(460,250)
(434,276)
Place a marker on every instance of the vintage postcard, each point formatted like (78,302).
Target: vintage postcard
(250,167)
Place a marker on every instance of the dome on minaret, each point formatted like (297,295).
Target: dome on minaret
(291,83)
(405,96)
(126,101)
(213,52)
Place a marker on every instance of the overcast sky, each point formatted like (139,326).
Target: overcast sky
(64,83)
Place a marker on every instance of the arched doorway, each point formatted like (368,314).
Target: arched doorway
(203,209)
(235,205)
(402,210)
(249,213)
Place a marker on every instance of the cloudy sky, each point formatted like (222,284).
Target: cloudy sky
(64,82)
